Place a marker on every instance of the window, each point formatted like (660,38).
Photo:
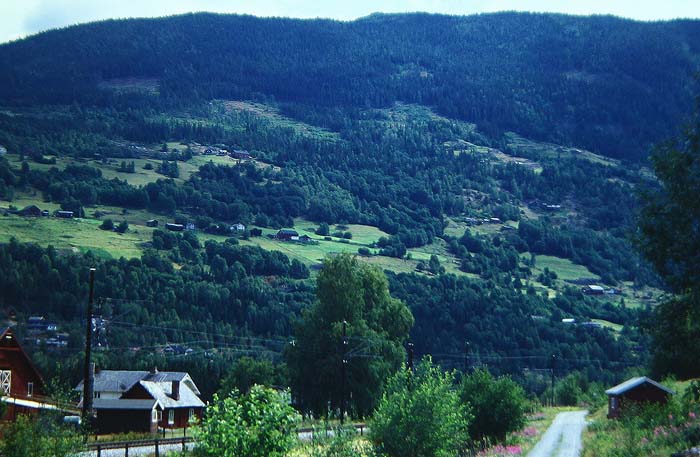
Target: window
(171,417)
(5,381)
(190,417)
(154,415)
(30,389)
(96,395)
(160,415)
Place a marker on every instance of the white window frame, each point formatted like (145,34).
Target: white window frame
(30,389)
(154,415)
(5,382)
(190,416)
(171,417)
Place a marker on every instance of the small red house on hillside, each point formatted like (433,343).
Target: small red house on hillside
(641,390)
(21,385)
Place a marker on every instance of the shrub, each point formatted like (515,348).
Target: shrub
(258,424)
(498,405)
(421,415)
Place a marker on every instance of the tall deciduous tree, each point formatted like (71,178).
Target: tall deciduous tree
(669,237)
(377,326)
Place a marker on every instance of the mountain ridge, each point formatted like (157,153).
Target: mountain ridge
(598,82)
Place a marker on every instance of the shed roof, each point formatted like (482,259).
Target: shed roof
(121,403)
(634,383)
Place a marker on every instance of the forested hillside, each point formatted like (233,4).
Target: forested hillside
(610,85)
(489,165)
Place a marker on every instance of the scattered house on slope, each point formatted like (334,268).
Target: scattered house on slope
(174,227)
(639,391)
(144,401)
(152,223)
(30,211)
(240,154)
(237,228)
(65,214)
(593,290)
(287,235)
(21,385)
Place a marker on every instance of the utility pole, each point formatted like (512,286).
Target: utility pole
(343,372)
(467,350)
(410,366)
(554,358)
(88,371)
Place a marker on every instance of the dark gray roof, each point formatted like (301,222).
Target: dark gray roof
(636,382)
(99,403)
(123,380)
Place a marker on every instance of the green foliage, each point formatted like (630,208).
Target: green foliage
(123,227)
(323,229)
(107,224)
(343,442)
(27,437)
(421,415)
(377,326)
(668,237)
(247,372)
(258,424)
(498,405)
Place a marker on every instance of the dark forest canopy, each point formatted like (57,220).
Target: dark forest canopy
(611,85)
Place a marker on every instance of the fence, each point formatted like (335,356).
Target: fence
(156,443)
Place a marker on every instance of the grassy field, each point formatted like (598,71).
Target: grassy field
(79,235)
(564,268)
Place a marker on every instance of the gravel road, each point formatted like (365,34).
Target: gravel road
(563,437)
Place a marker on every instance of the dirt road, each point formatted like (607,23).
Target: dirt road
(563,437)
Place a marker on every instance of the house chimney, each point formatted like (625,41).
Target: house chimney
(175,391)
(154,370)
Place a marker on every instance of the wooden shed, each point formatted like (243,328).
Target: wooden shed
(641,390)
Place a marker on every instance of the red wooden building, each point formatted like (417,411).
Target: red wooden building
(21,387)
(641,390)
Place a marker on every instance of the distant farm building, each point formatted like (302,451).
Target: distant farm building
(30,211)
(174,227)
(287,235)
(240,154)
(636,391)
(152,223)
(65,214)
(237,228)
(593,290)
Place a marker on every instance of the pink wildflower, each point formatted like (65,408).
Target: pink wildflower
(691,415)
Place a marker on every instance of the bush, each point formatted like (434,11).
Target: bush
(498,405)
(323,229)
(421,415)
(123,227)
(258,424)
(27,437)
(107,224)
